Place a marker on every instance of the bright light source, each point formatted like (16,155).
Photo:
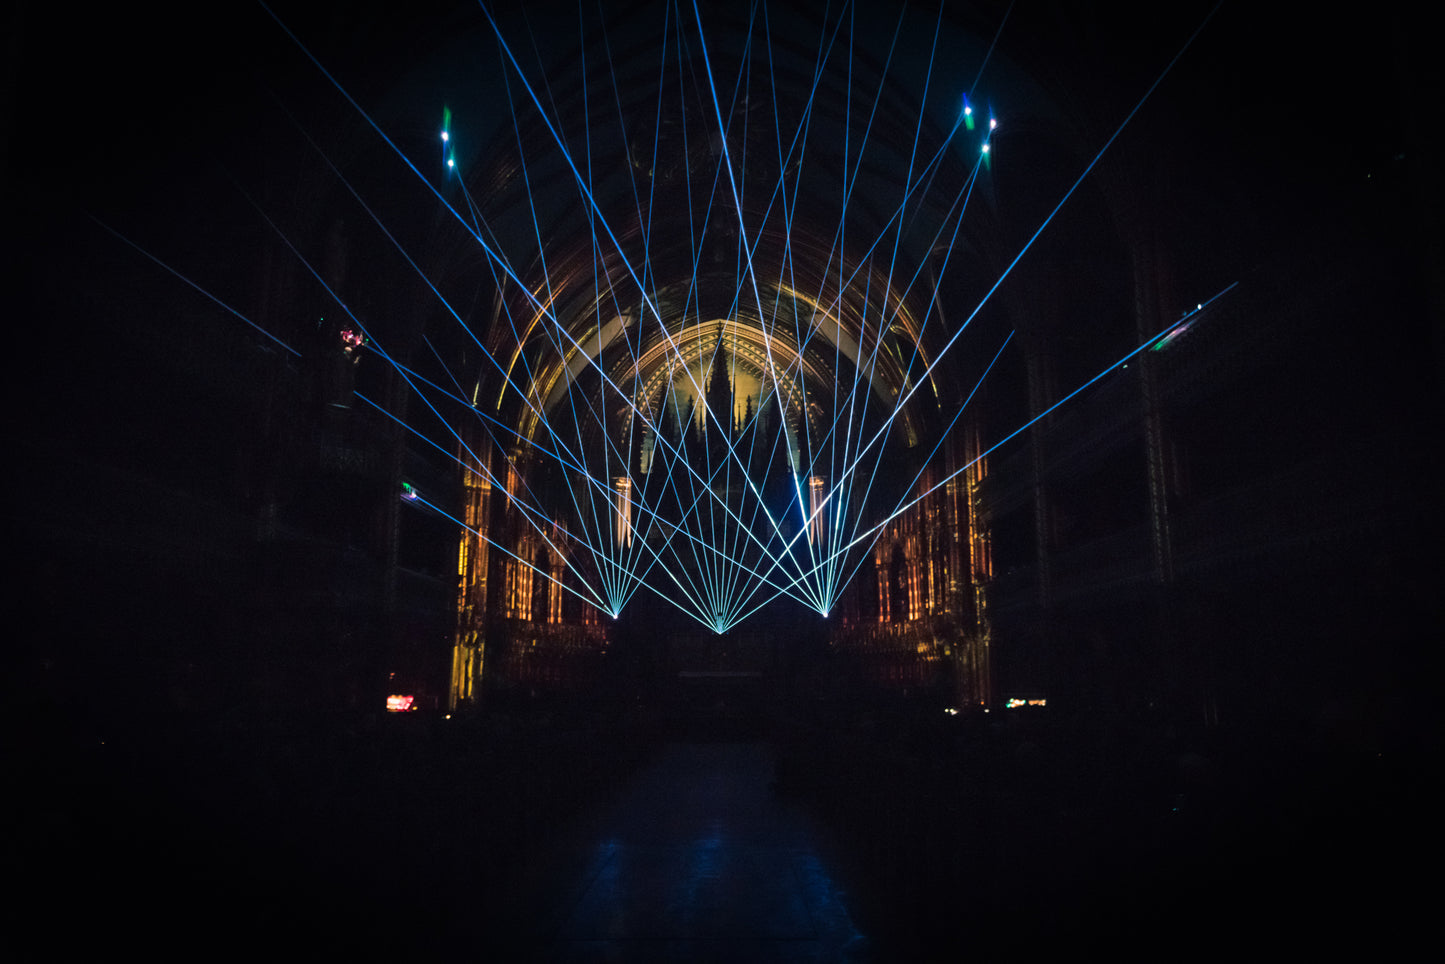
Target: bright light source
(992,123)
(400,704)
(985,148)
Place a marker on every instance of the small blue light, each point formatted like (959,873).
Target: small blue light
(985,148)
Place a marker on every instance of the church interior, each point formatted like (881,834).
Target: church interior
(698,481)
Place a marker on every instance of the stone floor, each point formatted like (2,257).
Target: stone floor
(592,838)
(695,859)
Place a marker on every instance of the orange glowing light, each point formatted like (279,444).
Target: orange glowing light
(400,704)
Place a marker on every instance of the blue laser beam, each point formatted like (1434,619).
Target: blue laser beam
(719,535)
(268,336)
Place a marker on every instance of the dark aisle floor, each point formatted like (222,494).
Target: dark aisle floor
(602,836)
(696,859)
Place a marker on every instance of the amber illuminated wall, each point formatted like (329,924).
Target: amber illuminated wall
(473,556)
(918,613)
(518,622)
(916,616)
